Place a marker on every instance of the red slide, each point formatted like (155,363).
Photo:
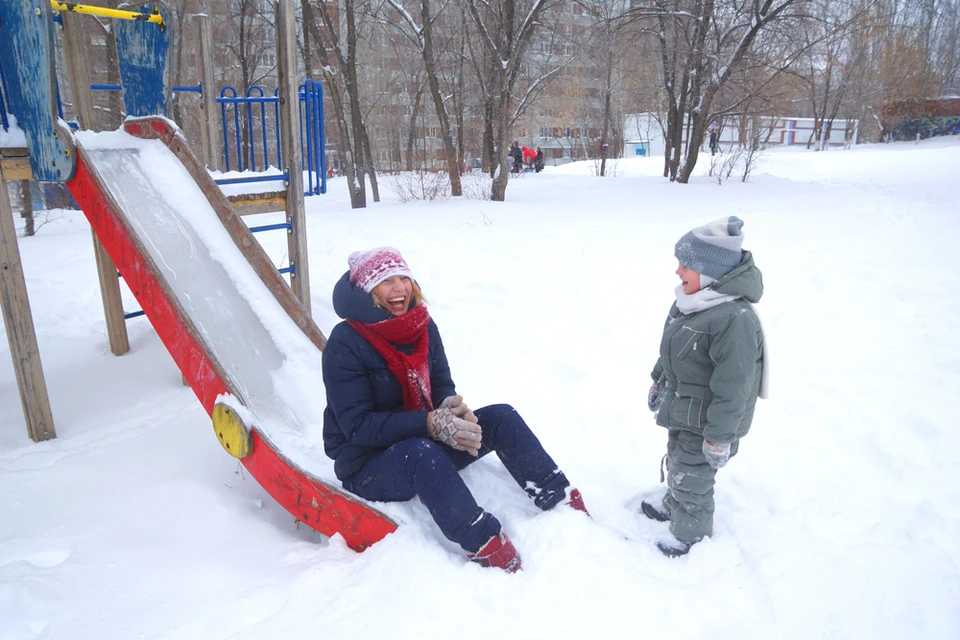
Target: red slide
(208,326)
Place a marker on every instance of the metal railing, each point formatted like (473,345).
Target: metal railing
(252,121)
(251,134)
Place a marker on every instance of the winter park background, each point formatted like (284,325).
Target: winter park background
(840,518)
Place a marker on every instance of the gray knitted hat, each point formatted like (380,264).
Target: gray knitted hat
(713,249)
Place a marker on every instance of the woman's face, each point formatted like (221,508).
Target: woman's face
(395,293)
(689,278)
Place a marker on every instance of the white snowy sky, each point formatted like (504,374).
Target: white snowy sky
(840,518)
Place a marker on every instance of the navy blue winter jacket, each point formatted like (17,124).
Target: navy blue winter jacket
(365,413)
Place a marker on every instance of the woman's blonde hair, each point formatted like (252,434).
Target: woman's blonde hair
(415,298)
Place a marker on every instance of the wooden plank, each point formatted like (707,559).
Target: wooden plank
(209,135)
(246,204)
(21,333)
(142,49)
(290,144)
(27,50)
(14,152)
(110,296)
(78,70)
(16,169)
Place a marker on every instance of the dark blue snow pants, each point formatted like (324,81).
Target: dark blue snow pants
(419,466)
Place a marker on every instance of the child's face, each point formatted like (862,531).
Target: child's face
(689,278)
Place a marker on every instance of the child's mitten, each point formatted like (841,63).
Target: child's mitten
(653,397)
(717,453)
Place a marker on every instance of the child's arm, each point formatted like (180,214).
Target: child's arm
(734,351)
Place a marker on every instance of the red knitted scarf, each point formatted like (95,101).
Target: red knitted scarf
(411,371)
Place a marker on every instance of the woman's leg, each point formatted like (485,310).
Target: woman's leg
(422,467)
(505,432)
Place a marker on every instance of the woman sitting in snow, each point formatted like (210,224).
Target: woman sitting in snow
(395,425)
(708,376)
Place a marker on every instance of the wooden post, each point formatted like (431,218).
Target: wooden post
(209,136)
(20,330)
(290,141)
(78,71)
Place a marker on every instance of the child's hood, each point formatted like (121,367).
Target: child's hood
(744,280)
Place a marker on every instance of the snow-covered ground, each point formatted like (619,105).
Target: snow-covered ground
(840,518)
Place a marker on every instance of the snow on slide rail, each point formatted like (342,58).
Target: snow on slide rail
(324,507)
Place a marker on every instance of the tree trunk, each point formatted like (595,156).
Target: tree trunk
(353,96)
(498,191)
(423,35)
(347,147)
(26,207)
(608,89)
(371,169)
(412,132)
(490,162)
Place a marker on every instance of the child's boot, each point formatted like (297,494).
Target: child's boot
(674,548)
(659,514)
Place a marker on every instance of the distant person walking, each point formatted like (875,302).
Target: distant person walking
(714,137)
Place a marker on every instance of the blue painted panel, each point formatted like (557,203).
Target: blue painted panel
(26,37)
(142,51)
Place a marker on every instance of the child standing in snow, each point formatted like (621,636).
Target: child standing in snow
(395,425)
(708,376)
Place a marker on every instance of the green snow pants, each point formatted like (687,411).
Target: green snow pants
(690,480)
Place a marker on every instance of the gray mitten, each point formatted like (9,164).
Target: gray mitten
(443,426)
(459,408)
(653,398)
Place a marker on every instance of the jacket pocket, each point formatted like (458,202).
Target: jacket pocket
(689,337)
(689,406)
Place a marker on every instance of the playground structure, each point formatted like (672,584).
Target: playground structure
(215,333)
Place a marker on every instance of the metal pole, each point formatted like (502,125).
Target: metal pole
(71,7)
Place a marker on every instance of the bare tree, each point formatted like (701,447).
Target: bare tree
(608,49)
(828,61)
(703,44)
(343,86)
(504,28)
(247,37)
(421,33)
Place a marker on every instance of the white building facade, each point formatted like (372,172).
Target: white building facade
(644,133)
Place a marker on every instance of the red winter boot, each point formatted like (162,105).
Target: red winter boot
(575,501)
(498,552)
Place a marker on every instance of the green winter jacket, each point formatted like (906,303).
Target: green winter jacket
(710,361)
